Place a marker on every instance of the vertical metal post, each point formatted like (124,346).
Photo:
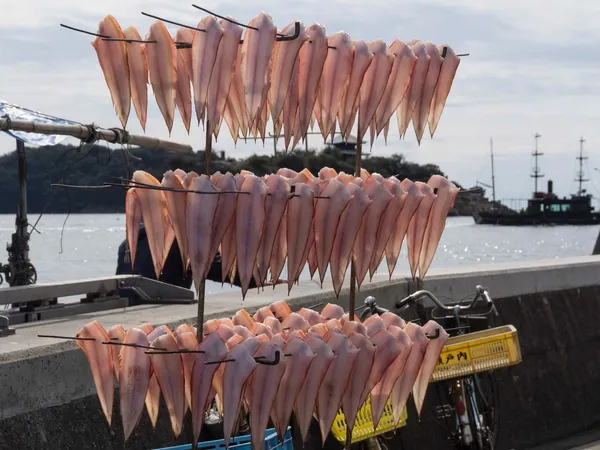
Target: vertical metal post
(21,220)
(352,295)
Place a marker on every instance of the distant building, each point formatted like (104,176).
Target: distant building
(346,148)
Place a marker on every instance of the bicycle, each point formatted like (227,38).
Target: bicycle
(469,412)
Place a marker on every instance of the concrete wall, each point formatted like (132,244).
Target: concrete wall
(47,396)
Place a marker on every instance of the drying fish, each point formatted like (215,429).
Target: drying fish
(235,375)
(326,222)
(374,325)
(373,86)
(275,205)
(222,73)
(133,219)
(200,214)
(397,83)
(264,388)
(243,331)
(283,65)
(331,311)
(446,195)
(153,205)
(204,55)
(388,222)
(335,381)
(250,219)
(261,328)
(295,321)
(153,395)
(414,196)
(366,240)
(116,334)
(187,341)
(390,319)
(256,51)
(310,65)
(176,206)
(262,314)
(169,374)
(444,84)
(418,225)
(183,95)
(430,360)
(112,57)
(137,60)
(312,317)
(224,214)
(134,378)
(382,390)
(351,402)
(202,375)
(404,385)
(228,243)
(299,224)
(244,319)
(100,359)
(290,107)
(421,111)
(273,324)
(280,309)
(350,327)
(350,101)
(162,61)
(405,111)
(334,80)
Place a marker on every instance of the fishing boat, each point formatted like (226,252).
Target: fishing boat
(546,208)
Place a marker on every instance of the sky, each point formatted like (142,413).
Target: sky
(533,68)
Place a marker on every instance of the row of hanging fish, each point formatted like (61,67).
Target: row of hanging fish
(268,366)
(327,78)
(259,223)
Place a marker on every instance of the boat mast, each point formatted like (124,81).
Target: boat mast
(580,178)
(493,176)
(536,169)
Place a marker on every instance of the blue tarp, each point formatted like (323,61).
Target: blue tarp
(18,113)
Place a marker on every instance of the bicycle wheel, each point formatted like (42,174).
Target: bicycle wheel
(482,409)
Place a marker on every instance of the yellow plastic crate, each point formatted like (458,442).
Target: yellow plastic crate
(480,351)
(363,426)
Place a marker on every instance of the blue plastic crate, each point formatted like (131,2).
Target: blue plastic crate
(243,443)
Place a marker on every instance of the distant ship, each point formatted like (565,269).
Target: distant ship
(545,208)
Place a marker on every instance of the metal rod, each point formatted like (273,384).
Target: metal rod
(130,41)
(91,133)
(173,23)
(175,352)
(163,188)
(352,294)
(225,18)
(75,186)
(65,337)
(133,345)
(84,32)
(207,363)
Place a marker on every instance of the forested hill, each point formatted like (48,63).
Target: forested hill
(96,165)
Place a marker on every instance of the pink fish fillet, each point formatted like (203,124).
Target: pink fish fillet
(264,388)
(202,375)
(116,334)
(187,341)
(299,224)
(418,224)
(228,243)
(358,379)
(310,66)
(274,324)
(275,205)
(137,60)
(200,214)
(421,111)
(243,318)
(204,55)
(250,219)
(382,390)
(327,218)
(430,360)
(290,108)
(169,374)
(261,328)
(222,74)
(334,80)
(409,103)
(153,204)
(100,359)
(235,376)
(176,206)
(331,311)
(366,240)
(133,218)
(183,95)
(312,317)
(447,73)
(285,54)
(135,370)
(373,86)
(350,100)
(112,57)
(336,380)
(349,226)
(237,96)
(295,322)
(446,195)
(153,395)
(388,223)
(397,83)
(262,314)
(414,196)
(374,325)
(162,61)
(256,57)
(224,214)
(389,318)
